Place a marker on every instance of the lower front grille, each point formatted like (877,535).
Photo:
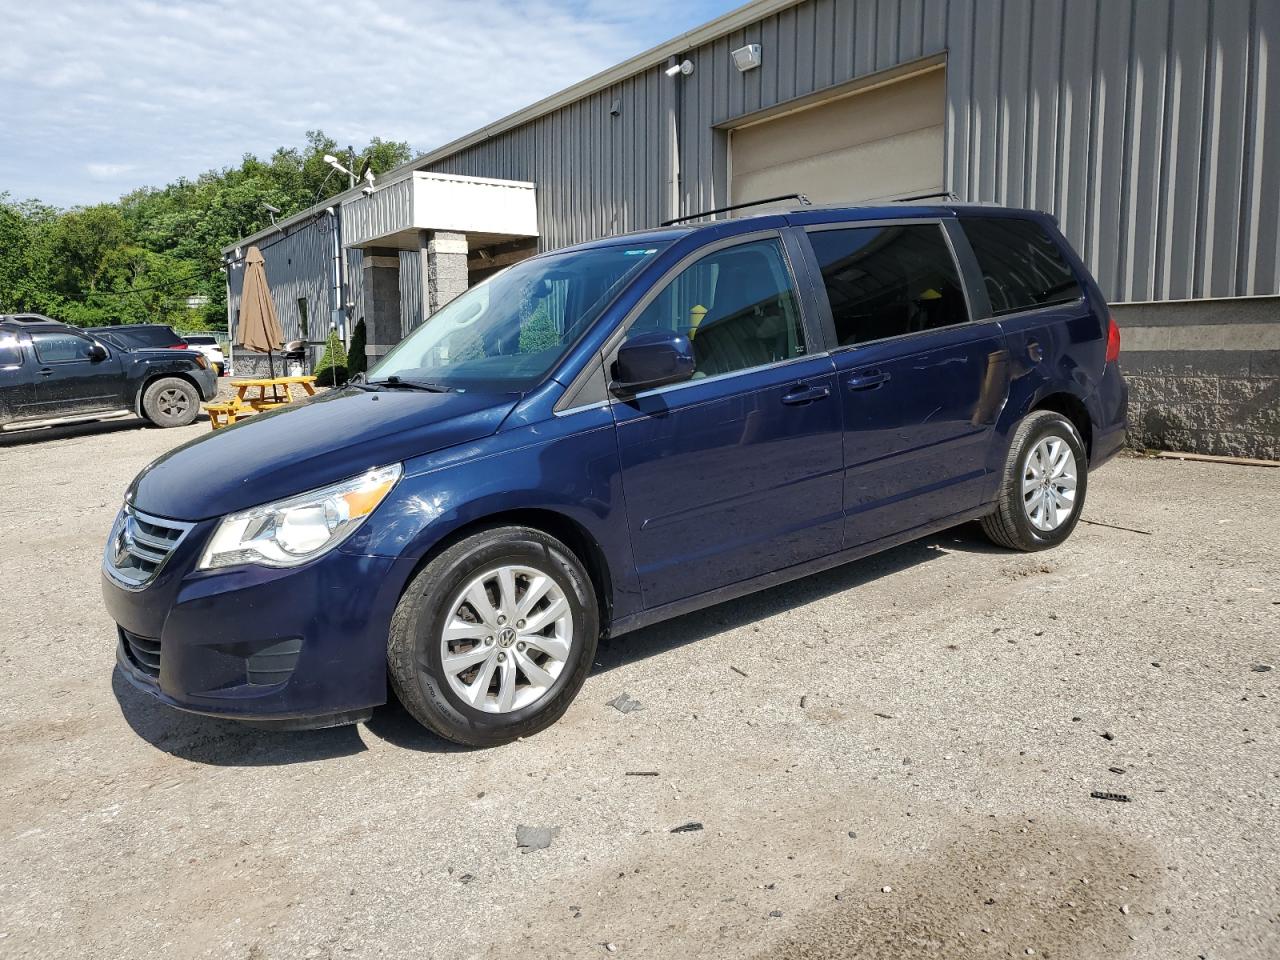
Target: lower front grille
(143,652)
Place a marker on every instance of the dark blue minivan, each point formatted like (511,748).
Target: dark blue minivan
(605,436)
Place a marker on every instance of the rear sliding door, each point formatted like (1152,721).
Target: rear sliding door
(920,382)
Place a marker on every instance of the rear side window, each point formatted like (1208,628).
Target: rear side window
(1022,266)
(889,281)
(55,347)
(147,336)
(10,351)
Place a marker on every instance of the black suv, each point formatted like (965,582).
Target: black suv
(51,372)
(135,335)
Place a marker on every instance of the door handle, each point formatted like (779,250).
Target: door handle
(805,393)
(46,371)
(1035,351)
(867,379)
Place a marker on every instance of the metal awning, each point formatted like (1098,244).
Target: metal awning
(488,211)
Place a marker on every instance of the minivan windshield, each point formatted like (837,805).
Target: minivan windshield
(509,331)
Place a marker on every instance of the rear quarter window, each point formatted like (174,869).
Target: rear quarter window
(10,351)
(1022,266)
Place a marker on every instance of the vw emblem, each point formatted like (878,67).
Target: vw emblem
(506,637)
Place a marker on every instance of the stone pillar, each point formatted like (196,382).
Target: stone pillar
(445,275)
(381,273)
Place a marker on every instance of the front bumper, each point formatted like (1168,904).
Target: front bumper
(256,643)
(208,383)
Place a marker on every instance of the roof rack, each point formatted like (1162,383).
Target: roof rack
(947,194)
(804,201)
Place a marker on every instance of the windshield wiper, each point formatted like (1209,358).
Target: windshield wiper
(399,383)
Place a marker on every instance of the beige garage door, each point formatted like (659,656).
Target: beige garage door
(882,143)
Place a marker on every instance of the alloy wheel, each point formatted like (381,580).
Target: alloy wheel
(173,402)
(1049,484)
(507,638)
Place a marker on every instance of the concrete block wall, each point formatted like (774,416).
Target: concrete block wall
(1204,376)
(446,255)
(248,365)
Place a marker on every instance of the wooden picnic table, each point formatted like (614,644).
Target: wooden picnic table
(275,383)
(225,414)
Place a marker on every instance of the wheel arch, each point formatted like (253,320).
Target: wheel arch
(145,384)
(1073,408)
(549,521)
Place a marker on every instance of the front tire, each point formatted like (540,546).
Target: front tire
(1046,476)
(494,637)
(170,402)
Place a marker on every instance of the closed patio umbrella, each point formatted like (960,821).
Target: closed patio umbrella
(259,327)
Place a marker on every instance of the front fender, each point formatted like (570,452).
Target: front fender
(567,465)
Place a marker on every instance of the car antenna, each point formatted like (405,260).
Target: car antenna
(804,202)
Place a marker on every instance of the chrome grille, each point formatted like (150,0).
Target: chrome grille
(140,545)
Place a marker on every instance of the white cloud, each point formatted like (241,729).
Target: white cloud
(169,89)
(108,171)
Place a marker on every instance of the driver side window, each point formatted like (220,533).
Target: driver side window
(56,347)
(737,305)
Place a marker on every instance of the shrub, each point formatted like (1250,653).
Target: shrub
(332,368)
(357,362)
(539,332)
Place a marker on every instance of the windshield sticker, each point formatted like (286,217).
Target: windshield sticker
(638,253)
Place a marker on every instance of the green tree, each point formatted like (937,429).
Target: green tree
(538,332)
(141,258)
(357,362)
(26,257)
(332,368)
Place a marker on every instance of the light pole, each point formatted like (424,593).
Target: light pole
(333,161)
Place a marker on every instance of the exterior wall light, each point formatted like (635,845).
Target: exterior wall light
(684,67)
(747,58)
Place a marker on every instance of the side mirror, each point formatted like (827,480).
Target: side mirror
(649,360)
(97,352)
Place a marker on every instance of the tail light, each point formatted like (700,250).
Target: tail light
(201,362)
(1113,340)
(178,346)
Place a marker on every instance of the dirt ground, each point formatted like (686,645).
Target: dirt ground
(893,759)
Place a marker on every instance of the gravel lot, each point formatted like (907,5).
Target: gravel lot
(904,770)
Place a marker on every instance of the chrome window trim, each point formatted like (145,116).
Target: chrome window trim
(1031,311)
(720,377)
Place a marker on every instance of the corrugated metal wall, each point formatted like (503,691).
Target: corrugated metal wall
(411,290)
(299,265)
(384,212)
(1142,124)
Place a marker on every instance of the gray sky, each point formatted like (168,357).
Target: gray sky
(99,98)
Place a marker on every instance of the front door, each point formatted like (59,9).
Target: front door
(69,381)
(737,472)
(920,383)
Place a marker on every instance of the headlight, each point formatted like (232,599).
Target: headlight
(290,532)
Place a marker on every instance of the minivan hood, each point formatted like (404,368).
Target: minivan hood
(307,445)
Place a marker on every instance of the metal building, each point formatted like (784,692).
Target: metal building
(1148,127)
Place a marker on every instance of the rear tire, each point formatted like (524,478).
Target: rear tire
(170,402)
(516,682)
(1046,476)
